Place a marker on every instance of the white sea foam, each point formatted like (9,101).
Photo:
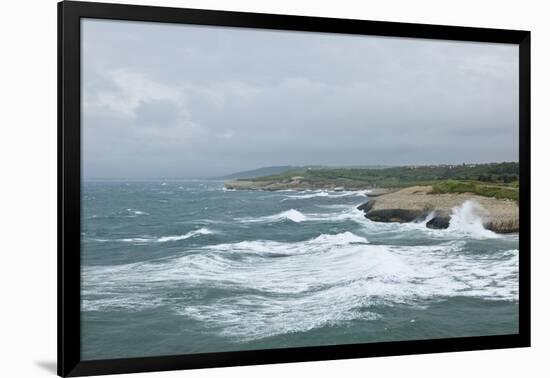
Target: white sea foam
(349,213)
(201,231)
(137,212)
(292,214)
(282,287)
(163,239)
(468,219)
(340,239)
(306,196)
(324,193)
(298,217)
(134,302)
(135,240)
(334,206)
(321,243)
(466,222)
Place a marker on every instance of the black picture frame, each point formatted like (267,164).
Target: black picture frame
(69,157)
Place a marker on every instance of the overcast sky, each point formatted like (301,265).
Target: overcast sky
(162,100)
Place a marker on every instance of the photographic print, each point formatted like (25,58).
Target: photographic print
(252,189)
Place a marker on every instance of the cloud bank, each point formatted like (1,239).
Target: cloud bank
(161,100)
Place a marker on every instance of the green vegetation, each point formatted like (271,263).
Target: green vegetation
(394,177)
(499,180)
(479,188)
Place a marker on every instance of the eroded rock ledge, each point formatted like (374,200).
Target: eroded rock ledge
(415,204)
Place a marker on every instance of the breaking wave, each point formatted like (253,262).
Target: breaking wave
(296,216)
(162,239)
(269,287)
(323,193)
(321,243)
(310,264)
(201,231)
(136,212)
(466,222)
(292,215)
(468,219)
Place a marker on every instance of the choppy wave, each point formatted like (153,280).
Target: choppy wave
(324,193)
(467,219)
(161,239)
(321,243)
(136,302)
(201,231)
(296,216)
(346,270)
(270,287)
(466,222)
(131,240)
(136,212)
(292,214)
(339,239)
(334,206)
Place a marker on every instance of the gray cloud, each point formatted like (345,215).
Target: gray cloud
(163,100)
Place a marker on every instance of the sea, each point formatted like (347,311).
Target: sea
(187,266)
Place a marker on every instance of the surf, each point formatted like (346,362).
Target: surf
(467,219)
(328,194)
(278,287)
(245,267)
(296,216)
(201,231)
(292,215)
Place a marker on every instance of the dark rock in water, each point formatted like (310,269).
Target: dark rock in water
(439,222)
(395,215)
(366,206)
(391,215)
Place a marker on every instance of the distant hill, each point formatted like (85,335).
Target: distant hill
(277,170)
(498,180)
(265,171)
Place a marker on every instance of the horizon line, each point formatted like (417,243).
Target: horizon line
(220,177)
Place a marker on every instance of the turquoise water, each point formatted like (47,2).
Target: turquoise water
(181,267)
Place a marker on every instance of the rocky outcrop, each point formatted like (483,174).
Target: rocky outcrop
(395,215)
(415,204)
(366,206)
(299,183)
(439,222)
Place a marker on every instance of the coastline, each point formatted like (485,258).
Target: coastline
(298,183)
(411,204)
(286,244)
(419,203)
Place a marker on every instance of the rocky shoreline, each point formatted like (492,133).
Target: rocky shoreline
(417,203)
(298,183)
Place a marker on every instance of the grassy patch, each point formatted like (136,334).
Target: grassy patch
(482,189)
